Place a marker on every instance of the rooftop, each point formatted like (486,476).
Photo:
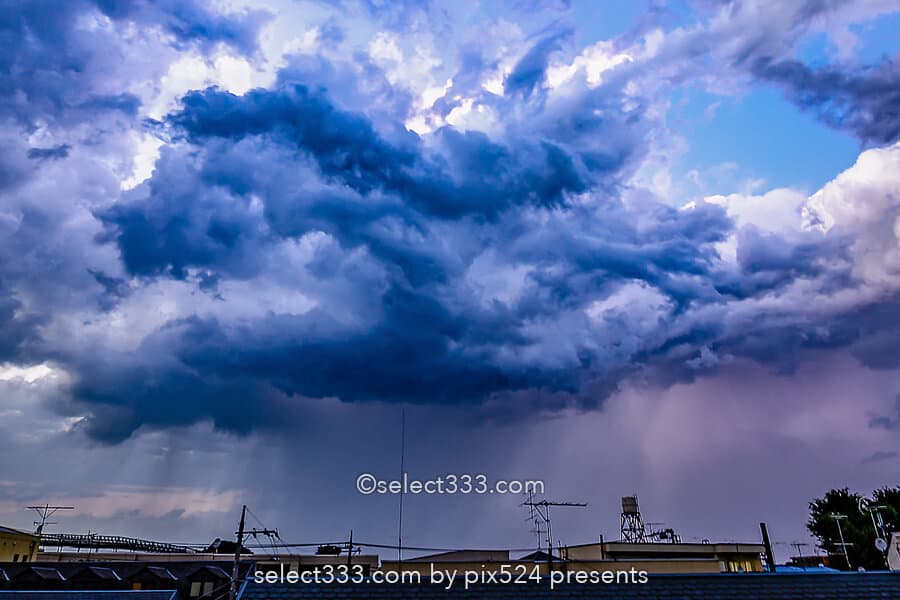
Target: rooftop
(843,586)
(11,531)
(88,595)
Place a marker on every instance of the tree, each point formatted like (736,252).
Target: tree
(855,524)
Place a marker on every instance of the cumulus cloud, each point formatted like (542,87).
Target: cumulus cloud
(298,241)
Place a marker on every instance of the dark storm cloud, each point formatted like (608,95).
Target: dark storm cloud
(54,64)
(348,180)
(457,267)
(418,352)
(114,289)
(417,211)
(54,153)
(16,326)
(531,69)
(487,176)
(245,172)
(864,102)
(192,21)
(62,65)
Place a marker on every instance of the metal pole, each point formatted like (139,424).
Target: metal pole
(549,542)
(403,479)
(878,534)
(350,552)
(770,557)
(232,592)
(837,519)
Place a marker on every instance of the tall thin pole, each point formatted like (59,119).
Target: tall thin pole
(350,551)
(232,592)
(878,534)
(767,544)
(837,519)
(549,541)
(402,470)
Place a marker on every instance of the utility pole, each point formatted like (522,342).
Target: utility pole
(402,478)
(232,592)
(350,552)
(837,519)
(767,544)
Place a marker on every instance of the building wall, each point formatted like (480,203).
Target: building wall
(733,557)
(894,552)
(465,556)
(17,546)
(650,566)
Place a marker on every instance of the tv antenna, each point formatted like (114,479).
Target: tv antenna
(542,510)
(533,518)
(799,546)
(45,512)
(837,519)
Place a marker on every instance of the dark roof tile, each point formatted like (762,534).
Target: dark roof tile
(843,586)
(88,595)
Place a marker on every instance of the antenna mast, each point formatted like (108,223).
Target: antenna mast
(534,519)
(45,512)
(542,509)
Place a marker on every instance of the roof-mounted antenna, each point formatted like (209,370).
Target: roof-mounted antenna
(45,512)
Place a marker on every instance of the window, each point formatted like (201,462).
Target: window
(740,566)
(208,588)
(15,558)
(195,589)
(137,585)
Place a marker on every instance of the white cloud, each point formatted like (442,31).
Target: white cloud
(777,210)
(28,374)
(864,201)
(593,61)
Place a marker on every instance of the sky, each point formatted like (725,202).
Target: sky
(643,248)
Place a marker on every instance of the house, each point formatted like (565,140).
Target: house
(33,576)
(151,577)
(87,595)
(609,556)
(725,586)
(17,546)
(204,581)
(673,558)
(489,560)
(893,555)
(186,580)
(94,577)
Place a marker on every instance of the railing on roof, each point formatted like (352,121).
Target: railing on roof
(111,542)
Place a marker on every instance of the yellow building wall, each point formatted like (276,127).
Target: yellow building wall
(17,546)
(731,557)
